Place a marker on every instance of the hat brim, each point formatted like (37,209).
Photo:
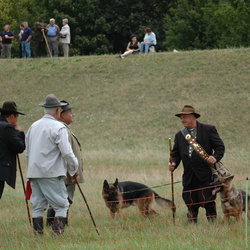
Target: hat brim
(67,108)
(53,105)
(188,113)
(8,111)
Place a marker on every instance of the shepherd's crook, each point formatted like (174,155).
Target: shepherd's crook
(172,176)
(86,205)
(21,174)
(46,43)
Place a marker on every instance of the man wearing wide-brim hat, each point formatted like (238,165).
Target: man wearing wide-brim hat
(48,149)
(197,173)
(12,142)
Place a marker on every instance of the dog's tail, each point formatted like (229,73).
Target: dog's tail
(165,203)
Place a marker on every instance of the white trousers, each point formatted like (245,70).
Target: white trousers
(49,191)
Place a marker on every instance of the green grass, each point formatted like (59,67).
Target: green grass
(124,115)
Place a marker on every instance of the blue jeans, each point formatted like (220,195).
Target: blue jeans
(145,46)
(26,49)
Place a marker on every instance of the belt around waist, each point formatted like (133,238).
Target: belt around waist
(51,36)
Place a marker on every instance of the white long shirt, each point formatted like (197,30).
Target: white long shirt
(65,31)
(48,151)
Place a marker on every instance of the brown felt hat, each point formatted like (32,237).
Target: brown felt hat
(10,107)
(188,110)
(51,101)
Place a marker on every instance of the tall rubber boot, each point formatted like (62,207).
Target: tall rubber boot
(58,225)
(50,216)
(38,225)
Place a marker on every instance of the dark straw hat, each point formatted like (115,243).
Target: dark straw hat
(51,101)
(10,107)
(66,107)
(188,110)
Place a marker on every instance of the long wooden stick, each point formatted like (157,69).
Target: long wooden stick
(86,205)
(46,43)
(172,176)
(21,174)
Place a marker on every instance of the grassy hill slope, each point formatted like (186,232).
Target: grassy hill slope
(124,109)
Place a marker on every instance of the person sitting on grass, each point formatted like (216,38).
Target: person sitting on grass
(133,46)
(149,40)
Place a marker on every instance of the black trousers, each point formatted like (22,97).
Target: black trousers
(1,188)
(38,48)
(198,194)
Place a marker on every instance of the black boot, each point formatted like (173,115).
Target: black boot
(38,225)
(58,225)
(50,216)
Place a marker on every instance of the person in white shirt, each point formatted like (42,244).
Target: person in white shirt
(149,40)
(65,37)
(49,157)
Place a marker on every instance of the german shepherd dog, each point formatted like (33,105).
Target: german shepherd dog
(233,200)
(120,195)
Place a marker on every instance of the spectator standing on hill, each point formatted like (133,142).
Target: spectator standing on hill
(67,117)
(65,37)
(12,142)
(39,42)
(149,40)
(197,173)
(25,40)
(52,37)
(20,39)
(7,37)
(49,157)
(132,47)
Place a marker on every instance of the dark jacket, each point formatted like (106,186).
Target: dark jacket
(38,37)
(12,142)
(209,139)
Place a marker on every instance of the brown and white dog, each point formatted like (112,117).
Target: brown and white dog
(233,200)
(120,195)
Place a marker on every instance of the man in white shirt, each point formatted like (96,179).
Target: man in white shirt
(47,151)
(65,37)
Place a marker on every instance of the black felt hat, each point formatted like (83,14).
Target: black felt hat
(9,107)
(66,107)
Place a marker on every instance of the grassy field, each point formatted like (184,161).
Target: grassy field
(124,115)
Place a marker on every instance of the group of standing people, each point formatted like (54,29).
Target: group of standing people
(135,46)
(53,155)
(44,36)
(55,163)
(49,36)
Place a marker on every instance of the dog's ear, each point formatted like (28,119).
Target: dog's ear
(116,182)
(229,178)
(105,184)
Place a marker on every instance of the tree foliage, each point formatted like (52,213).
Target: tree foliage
(105,26)
(204,24)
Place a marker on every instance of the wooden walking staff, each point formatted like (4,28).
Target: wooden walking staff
(21,174)
(172,175)
(86,205)
(46,43)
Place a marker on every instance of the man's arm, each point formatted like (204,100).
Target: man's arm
(67,152)
(15,139)
(176,157)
